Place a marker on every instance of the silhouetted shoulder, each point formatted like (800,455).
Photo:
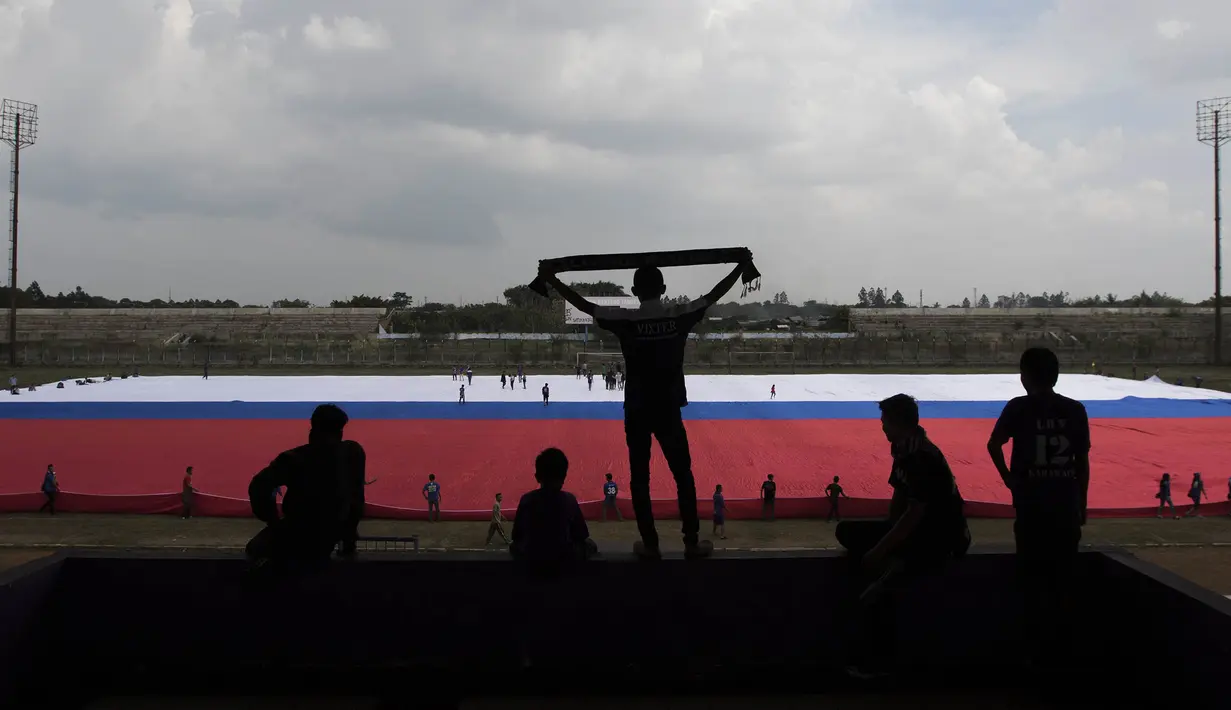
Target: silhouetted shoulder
(290,456)
(1016,406)
(1071,406)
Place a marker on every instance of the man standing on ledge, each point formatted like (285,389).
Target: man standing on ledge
(652,338)
(1049,476)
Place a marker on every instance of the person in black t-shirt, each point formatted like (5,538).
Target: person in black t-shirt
(1049,476)
(652,339)
(324,496)
(549,531)
(769,490)
(833,492)
(926,528)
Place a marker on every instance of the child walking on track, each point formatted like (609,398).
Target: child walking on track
(498,522)
(652,339)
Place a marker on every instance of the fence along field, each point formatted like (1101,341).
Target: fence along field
(975,338)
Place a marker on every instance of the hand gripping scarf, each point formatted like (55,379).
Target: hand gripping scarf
(661,259)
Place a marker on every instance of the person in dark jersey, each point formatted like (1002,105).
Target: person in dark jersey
(652,339)
(324,484)
(1049,476)
(610,491)
(51,490)
(833,492)
(926,529)
(769,491)
(720,513)
(187,494)
(431,493)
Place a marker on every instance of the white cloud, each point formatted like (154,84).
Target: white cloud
(344,33)
(1173,29)
(204,145)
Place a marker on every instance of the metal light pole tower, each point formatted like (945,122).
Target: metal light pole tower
(18,128)
(1214,129)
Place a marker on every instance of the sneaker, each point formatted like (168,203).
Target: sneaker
(645,552)
(702,549)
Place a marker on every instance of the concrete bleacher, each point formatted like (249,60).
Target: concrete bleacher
(1057,323)
(94,624)
(172,325)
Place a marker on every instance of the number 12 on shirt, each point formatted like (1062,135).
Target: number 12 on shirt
(1051,450)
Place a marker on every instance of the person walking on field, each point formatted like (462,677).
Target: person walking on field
(1164,496)
(51,489)
(1196,492)
(186,495)
(497,524)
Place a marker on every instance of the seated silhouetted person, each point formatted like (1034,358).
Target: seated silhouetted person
(549,531)
(925,529)
(323,500)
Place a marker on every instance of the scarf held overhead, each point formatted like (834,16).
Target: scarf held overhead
(661,259)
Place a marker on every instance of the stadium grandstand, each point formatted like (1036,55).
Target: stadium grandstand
(181,325)
(1059,324)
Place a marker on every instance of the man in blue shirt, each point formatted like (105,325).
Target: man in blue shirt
(609,499)
(51,489)
(431,493)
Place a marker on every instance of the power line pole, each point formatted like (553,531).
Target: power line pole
(1214,129)
(19,129)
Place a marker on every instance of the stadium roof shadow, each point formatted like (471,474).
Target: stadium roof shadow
(443,628)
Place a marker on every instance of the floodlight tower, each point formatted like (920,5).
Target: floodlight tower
(1214,129)
(18,128)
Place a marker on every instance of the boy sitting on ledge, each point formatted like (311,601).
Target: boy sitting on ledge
(549,530)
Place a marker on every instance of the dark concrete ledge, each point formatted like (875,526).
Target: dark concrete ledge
(147,621)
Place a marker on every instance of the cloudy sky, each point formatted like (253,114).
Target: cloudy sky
(261,149)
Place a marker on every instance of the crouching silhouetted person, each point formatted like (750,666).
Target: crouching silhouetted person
(549,531)
(926,528)
(323,499)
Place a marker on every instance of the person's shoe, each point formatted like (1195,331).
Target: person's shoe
(646,552)
(698,550)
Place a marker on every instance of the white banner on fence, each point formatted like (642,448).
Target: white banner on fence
(572,316)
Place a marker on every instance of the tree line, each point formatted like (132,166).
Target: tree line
(876,297)
(524,310)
